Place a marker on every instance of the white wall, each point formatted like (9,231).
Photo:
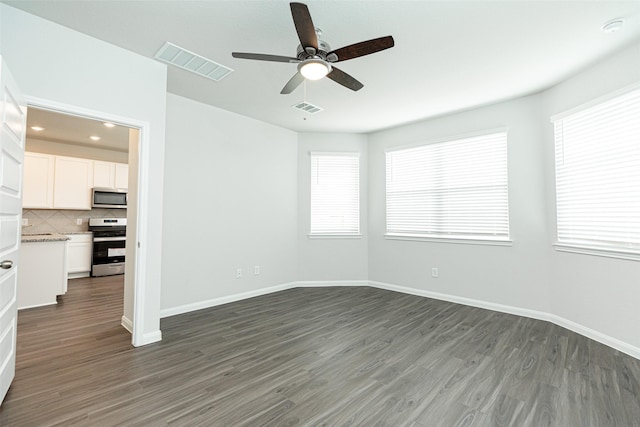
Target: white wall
(54,63)
(514,276)
(330,259)
(592,295)
(602,294)
(230,202)
(72,150)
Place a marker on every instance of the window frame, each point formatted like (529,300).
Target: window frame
(336,234)
(608,251)
(466,239)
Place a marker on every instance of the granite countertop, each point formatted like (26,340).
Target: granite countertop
(77,232)
(43,237)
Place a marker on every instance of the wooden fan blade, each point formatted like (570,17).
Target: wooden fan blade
(263,57)
(304,25)
(363,48)
(339,76)
(293,83)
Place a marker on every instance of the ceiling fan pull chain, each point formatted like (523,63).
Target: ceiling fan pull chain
(304,96)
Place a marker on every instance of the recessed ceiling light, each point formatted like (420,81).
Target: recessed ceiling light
(109,125)
(95,138)
(37,128)
(612,26)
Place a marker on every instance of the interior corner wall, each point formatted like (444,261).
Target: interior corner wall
(508,276)
(230,202)
(60,65)
(600,294)
(330,259)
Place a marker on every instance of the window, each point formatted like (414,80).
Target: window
(598,177)
(455,189)
(335,194)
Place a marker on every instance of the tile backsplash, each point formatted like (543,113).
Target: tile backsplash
(64,221)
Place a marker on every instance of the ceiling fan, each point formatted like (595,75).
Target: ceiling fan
(315,58)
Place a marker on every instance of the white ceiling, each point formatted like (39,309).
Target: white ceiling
(448,55)
(75,130)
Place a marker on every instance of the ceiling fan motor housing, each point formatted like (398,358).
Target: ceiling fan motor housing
(321,53)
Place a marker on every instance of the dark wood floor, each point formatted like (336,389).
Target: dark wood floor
(316,356)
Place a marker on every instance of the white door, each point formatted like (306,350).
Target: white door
(13,113)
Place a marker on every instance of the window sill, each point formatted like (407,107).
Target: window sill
(597,251)
(467,241)
(335,236)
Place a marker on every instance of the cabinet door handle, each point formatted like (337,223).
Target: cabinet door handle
(7,264)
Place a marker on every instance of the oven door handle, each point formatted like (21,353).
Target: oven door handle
(109,239)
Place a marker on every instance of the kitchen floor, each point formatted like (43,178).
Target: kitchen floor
(56,345)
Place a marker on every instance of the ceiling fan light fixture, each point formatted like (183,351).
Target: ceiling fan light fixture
(314,69)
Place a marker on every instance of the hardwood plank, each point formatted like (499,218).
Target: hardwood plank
(312,356)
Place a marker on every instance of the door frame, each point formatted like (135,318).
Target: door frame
(137,332)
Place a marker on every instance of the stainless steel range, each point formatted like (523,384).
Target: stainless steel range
(109,237)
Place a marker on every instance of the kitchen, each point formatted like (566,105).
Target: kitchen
(76,179)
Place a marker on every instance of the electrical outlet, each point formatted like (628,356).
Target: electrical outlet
(256,270)
(79,221)
(238,273)
(25,221)
(434,272)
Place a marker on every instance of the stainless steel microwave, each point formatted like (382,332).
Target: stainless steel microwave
(109,198)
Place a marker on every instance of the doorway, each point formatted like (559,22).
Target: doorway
(133,307)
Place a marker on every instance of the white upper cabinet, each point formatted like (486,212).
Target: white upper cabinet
(72,183)
(122,176)
(104,174)
(110,175)
(57,182)
(38,181)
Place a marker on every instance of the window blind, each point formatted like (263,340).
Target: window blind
(453,189)
(598,175)
(335,194)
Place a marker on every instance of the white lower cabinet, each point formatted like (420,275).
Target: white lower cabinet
(42,273)
(79,255)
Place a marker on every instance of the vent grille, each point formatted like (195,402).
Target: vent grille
(307,107)
(182,58)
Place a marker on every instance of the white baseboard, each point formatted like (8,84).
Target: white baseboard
(519,311)
(149,338)
(127,324)
(534,314)
(181,309)
(605,339)
(329,283)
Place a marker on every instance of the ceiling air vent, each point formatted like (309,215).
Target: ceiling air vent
(307,108)
(193,62)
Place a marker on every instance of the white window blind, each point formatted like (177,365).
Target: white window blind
(335,194)
(454,189)
(598,175)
